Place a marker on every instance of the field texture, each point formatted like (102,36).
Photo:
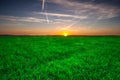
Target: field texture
(59,58)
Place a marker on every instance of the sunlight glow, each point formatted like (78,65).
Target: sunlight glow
(65,34)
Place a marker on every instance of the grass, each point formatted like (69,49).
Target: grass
(59,58)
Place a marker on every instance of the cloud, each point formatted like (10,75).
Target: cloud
(23,19)
(62,15)
(97,11)
(34,19)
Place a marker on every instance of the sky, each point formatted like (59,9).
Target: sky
(55,17)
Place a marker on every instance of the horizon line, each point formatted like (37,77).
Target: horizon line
(58,35)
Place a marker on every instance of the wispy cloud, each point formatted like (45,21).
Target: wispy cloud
(63,15)
(23,19)
(38,20)
(98,11)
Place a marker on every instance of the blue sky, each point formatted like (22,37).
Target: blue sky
(79,17)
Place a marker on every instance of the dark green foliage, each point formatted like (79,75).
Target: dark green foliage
(59,58)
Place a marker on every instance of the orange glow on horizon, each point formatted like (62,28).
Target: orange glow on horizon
(62,33)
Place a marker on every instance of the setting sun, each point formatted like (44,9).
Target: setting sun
(65,34)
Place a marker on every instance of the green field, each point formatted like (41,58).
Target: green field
(59,58)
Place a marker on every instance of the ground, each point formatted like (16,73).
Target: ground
(59,58)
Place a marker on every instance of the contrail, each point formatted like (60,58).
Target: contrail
(74,19)
(43,5)
(43,9)
(69,26)
(47,17)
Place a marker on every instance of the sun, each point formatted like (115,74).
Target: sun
(65,34)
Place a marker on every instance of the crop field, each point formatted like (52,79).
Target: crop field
(59,58)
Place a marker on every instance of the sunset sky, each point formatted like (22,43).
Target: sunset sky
(54,17)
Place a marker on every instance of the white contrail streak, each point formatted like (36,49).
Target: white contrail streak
(47,17)
(43,9)
(69,26)
(43,4)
